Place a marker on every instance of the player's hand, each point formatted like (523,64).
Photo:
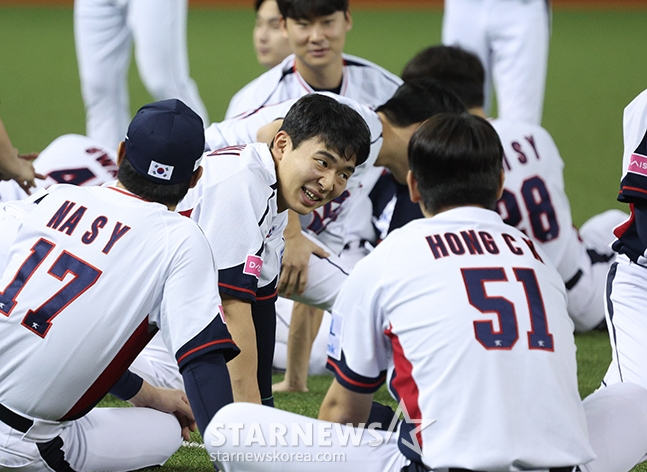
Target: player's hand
(21,169)
(294,266)
(168,400)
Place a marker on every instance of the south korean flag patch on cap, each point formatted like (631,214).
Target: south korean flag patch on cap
(161,171)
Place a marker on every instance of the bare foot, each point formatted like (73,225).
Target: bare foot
(284,386)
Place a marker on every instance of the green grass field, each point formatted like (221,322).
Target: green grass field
(597,65)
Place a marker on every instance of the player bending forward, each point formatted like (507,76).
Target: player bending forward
(468,323)
(91,274)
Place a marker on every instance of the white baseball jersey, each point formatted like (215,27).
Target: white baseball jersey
(465,321)
(69,159)
(91,275)
(534,200)
(235,204)
(363,81)
(511,38)
(104,32)
(243,130)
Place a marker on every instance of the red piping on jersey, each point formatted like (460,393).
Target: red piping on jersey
(633,189)
(351,381)
(127,193)
(267,297)
(238,289)
(199,348)
(403,382)
(621,229)
(119,364)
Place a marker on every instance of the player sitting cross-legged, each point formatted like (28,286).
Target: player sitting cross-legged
(90,274)
(469,324)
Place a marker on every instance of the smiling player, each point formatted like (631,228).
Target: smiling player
(241,205)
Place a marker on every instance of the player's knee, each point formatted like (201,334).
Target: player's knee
(170,434)
(227,422)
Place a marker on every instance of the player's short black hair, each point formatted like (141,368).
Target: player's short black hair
(417,100)
(455,68)
(257,4)
(310,9)
(457,161)
(337,125)
(165,194)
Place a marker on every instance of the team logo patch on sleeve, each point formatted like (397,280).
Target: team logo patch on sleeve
(253,265)
(638,164)
(161,171)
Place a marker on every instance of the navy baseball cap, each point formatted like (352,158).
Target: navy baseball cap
(165,142)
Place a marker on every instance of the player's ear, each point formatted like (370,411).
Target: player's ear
(412,183)
(501,181)
(284,27)
(121,153)
(349,20)
(282,143)
(195,177)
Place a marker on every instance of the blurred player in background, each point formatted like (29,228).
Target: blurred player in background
(91,274)
(316,31)
(511,39)
(104,32)
(270,44)
(534,199)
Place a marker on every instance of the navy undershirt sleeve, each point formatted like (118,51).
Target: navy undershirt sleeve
(127,386)
(640,215)
(207,385)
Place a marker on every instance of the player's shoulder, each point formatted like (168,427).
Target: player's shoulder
(370,68)
(516,127)
(254,94)
(241,165)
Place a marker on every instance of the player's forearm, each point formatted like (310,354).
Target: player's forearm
(207,385)
(243,369)
(11,165)
(8,153)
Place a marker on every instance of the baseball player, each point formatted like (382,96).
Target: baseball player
(241,206)
(270,46)
(69,159)
(92,273)
(625,286)
(461,315)
(615,433)
(511,38)
(316,32)
(534,199)
(104,31)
